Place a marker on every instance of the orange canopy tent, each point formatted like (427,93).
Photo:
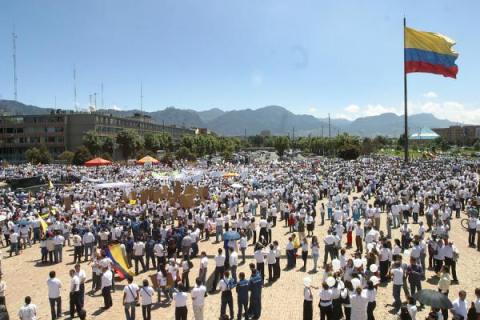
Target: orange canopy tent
(147,159)
(97,162)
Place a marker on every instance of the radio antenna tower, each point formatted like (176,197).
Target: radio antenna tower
(14,40)
(75,89)
(141,98)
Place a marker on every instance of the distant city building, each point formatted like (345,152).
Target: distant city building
(62,131)
(460,135)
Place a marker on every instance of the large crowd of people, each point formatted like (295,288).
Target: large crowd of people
(382,221)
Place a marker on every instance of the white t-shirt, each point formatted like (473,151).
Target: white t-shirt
(28,312)
(146,294)
(130,291)
(397,276)
(198,295)
(180,299)
(54,286)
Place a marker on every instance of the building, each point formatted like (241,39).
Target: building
(459,135)
(60,131)
(423,136)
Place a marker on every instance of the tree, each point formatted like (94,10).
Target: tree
(183,153)
(66,156)
(476,145)
(108,145)
(82,155)
(281,144)
(93,142)
(38,155)
(158,141)
(129,142)
(349,152)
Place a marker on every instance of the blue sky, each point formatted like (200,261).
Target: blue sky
(310,56)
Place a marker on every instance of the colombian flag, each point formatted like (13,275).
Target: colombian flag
(429,52)
(114,252)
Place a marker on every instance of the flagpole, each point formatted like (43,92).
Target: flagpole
(405,94)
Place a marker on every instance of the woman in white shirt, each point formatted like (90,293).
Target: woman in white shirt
(146,297)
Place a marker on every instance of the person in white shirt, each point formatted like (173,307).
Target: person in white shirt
(14,247)
(198,299)
(202,272)
(106,282)
(180,298)
(460,306)
(233,262)
(28,311)
(81,277)
(74,294)
(58,240)
(130,298)
(138,252)
(397,275)
(54,296)
(219,268)
(146,297)
(326,297)
(88,243)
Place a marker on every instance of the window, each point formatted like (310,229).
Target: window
(50,139)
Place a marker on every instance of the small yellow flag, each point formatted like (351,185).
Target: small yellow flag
(133,202)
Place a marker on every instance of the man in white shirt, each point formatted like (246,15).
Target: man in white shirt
(74,294)
(88,242)
(130,298)
(233,262)
(106,282)
(180,298)
(460,306)
(54,296)
(202,273)
(58,240)
(28,311)
(219,268)
(198,299)
(138,252)
(82,276)
(397,275)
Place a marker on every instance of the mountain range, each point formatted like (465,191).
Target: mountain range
(275,119)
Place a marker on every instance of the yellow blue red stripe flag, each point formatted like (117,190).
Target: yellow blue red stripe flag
(114,252)
(429,52)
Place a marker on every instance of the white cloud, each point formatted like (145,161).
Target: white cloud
(312,110)
(353,108)
(430,95)
(376,109)
(116,108)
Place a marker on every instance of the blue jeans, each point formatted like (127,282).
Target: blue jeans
(397,289)
(13,247)
(130,310)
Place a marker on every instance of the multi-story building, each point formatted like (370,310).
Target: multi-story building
(460,135)
(62,131)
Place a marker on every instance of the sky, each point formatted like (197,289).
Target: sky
(310,56)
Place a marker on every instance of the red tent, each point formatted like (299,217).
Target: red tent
(97,162)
